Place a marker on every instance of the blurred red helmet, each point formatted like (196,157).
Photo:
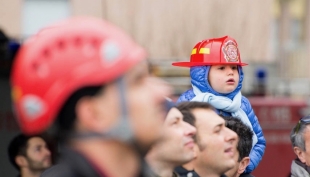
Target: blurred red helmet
(63,58)
(216,51)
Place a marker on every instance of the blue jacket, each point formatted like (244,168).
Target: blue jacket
(199,78)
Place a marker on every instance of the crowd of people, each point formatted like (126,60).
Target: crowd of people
(89,88)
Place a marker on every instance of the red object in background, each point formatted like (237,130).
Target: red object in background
(216,51)
(277,117)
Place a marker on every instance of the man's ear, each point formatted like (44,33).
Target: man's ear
(90,115)
(86,115)
(21,161)
(300,154)
(243,164)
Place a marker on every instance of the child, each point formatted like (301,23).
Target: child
(216,77)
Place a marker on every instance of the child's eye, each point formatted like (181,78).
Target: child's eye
(234,67)
(222,68)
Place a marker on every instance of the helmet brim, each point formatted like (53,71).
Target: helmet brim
(191,64)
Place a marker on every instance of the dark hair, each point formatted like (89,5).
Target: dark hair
(18,146)
(244,133)
(188,117)
(190,105)
(186,109)
(65,120)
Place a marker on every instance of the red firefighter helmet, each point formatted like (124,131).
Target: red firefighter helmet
(62,58)
(216,51)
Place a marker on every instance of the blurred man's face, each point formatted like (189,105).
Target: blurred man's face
(215,141)
(38,154)
(177,145)
(146,103)
(144,99)
(240,166)
(234,171)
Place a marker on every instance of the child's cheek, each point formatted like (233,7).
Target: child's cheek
(237,77)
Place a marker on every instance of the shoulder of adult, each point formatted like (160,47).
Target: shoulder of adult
(59,170)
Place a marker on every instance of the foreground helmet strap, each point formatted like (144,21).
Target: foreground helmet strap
(123,130)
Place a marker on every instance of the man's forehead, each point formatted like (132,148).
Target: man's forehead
(173,113)
(34,141)
(207,118)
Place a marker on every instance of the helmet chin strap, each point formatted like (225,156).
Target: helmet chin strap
(122,131)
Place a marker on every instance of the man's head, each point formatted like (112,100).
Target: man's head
(243,148)
(300,139)
(215,141)
(92,77)
(177,144)
(29,152)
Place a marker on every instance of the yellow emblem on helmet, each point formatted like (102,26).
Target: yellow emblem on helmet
(204,51)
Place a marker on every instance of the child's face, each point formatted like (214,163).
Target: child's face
(224,78)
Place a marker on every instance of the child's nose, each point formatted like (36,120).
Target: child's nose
(230,70)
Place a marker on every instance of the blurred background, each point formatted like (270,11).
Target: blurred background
(273,37)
